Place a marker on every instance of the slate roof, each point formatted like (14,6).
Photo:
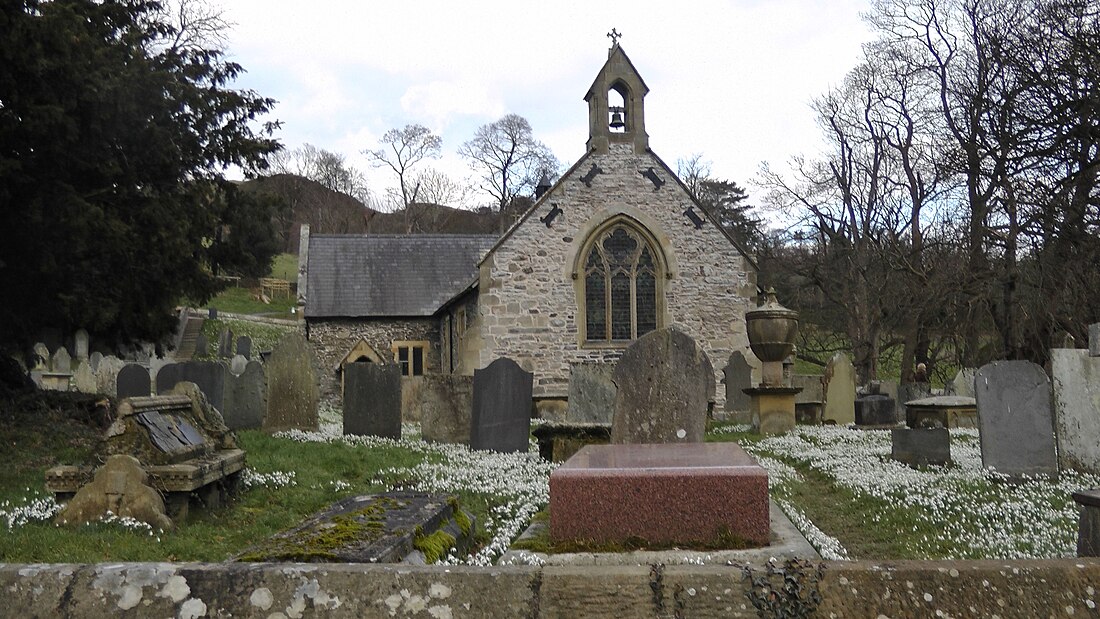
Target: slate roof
(387,275)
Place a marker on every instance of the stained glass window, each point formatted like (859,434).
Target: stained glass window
(620,286)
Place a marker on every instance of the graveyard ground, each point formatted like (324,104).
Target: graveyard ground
(838,486)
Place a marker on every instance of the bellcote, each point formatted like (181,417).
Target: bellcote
(616,105)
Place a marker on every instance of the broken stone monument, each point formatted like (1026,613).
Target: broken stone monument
(122,488)
(662,381)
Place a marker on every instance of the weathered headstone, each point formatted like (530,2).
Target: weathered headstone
(372,399)
(80,344)
(840,391)
(210,376)
(244,346)
(292,392)
(1017,427)
(1094,339)
(202,347)
(41,357)
(907,392)
(61,363)
(591,393)
(920,447)
(501,416)
(106,375)
(94,359)
(663,380)
(237,364)
(225,343)
(133,381)
(963,383)
(84,378)
(875,410)
(445,403)
(738,377)
(808,402)
(1076,385)
(122,488)
(246,398)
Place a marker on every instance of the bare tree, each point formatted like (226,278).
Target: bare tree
(401,151)
(508,159)
(322,166)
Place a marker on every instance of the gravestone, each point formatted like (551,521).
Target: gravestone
(94,359)
(738,377)
(963,383)
(41,357)
(445,403)
(106,375)
(202,347)
(292,392)
(1015,420)
(237,364)
(372,399)
(501,416)
(875,410)
(84,378)
(1075,377)
(1094,339)
(246,398)
(840,391)
(808,402)
(244,346)
(907,392)
(663,381)
(591,393)
(225,343)
(209,376)
(920,446)
(61,363)
(133,381)
(80,344)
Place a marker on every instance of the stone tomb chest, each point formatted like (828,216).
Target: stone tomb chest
(179,440)
(673,493)
(943,411)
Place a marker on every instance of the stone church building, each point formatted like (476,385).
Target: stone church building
(616,248)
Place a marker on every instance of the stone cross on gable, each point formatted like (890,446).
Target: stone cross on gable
(614,35)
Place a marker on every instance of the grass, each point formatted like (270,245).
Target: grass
(285,266)
(264,335)
(245,301)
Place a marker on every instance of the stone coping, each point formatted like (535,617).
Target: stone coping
(1008,589)
(658,459)
(945,401)
(1088,498)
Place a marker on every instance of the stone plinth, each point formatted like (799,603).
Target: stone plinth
(944,411)
(661,493)
(921,446)
(773,409)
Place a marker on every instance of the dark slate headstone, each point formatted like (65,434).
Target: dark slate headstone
(921,446)
(663,380)
(1015,419)
(738,377)
(225,343)
(202,347)
(372,399)
(445,403)
(133,381)
(591,393)
(246,398)
(244,346)
(209,376)
(501,416)
(876,410)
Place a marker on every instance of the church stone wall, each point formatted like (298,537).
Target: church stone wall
(332,339)
(528,307)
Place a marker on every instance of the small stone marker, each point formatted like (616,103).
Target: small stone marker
(1075,377)
(133,381)
(501,416)
(1017,427)
(921,447)
(840,391)
(244,346)
(225,343)
(663,382)
(62,363)
(591,393)
(1094,339)
(202,347)
(292,392)
(246,398)
(876,410)
(80,343)
(372,399)
(446,401)
(738,377)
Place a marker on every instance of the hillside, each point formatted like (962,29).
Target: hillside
(331,212)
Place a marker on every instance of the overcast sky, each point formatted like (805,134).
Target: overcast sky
(729,80)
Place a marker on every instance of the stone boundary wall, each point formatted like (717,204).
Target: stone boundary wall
(988,589)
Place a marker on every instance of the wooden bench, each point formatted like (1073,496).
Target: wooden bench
(175,448)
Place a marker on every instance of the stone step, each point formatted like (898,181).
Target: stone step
(191,332)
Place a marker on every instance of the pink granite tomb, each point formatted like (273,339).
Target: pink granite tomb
(669,493)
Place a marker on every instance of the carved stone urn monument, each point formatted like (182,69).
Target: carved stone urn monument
(772,329)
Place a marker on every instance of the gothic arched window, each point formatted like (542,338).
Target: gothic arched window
(621,286)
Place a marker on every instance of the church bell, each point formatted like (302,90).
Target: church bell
(617,118)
